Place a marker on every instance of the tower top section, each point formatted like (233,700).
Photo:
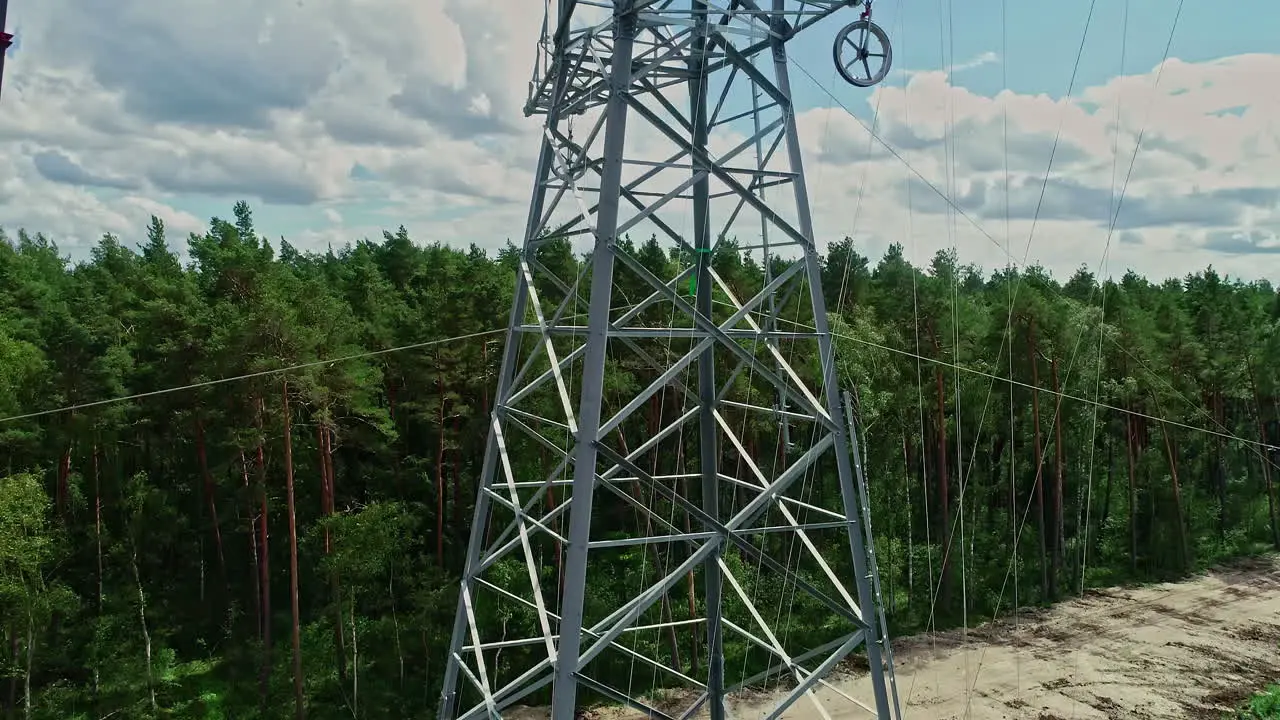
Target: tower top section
(578,37)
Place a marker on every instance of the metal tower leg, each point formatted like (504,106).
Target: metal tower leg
(572,570)
(564,694)
(826,352)
(709,456)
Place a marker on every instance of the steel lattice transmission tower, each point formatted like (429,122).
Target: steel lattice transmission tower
(6,39)
(620,452)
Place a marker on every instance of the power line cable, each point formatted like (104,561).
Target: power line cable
(1060,394)
(485,333)
(246,376)
(1043,391)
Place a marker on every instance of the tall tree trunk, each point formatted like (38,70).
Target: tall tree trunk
(484,383)
(440,476)
(1015,516)
(1046,584)
(911,566)
(559,550)
(392,391)
(264,564)
(739,493)
(64,474)
(211,501)
(142,617)
(1096,537)
(1059,532)
(355,661)
(299,708)
(1131,455)
(944,480)
(14,647)
(647,531)
(324,443)
(395,621)
(1177,499)
(31,661)
(97,540)
(1266,461)
(255,578)
(995,462)
(694,655)
(1219,471)
(459,519)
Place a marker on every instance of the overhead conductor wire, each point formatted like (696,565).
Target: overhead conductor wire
(247,376)
(1124,187)
(1095,403)
(1087,500)
(955,525)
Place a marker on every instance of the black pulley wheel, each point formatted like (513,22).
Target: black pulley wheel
(862,53)
(570,163)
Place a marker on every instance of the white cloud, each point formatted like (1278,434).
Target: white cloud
(981,59)
(1203,174)
(283,100)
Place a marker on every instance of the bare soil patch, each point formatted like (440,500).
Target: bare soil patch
(1192,649)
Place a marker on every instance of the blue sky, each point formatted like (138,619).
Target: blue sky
(98,134)
(1043,38)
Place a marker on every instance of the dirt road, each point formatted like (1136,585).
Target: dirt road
(1187,650)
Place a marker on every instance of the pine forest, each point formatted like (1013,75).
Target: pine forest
(240,484)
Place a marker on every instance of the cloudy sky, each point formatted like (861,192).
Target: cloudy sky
(336,119)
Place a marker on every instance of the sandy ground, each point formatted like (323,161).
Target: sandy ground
(1193,649)
(1187,650)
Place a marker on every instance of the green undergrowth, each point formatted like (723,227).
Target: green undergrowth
(1264,705)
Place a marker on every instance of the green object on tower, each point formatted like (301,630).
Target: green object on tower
(693,278)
